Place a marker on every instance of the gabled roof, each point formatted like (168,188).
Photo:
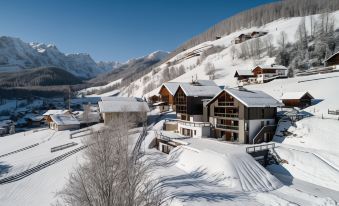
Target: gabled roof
(243,73)
(295,95)
(123,106)
(206,83)
(125,99)
(337,53)
(64,119)
(55,111)
(171,87)
(199,91)
(251,98)
(277,67)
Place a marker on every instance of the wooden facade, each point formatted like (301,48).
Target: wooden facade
(333,60)
(258,70)
(235,122)
(304,101)
(166,96)
(188,105)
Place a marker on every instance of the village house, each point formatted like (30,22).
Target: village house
(241,38)
(60,122)
(47,115)
(166,93)
(245,76)
(7,127)
(261,74)
(244,37)
(134,108)
(297,99)
(332,60)
(87,118)
(266,73)
(189,100)
(34,120)
(243,116)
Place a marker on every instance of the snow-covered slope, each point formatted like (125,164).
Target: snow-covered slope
(16,54)
(223,61)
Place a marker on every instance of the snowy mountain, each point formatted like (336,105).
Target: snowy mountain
(16,55)
(132,69)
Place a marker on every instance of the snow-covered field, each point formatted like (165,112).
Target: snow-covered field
(207,172)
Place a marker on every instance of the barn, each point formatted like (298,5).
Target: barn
(333,60)
(297,99)
(64,122)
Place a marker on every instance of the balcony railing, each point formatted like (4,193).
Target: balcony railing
(189,123)
(230,127)
(194,124)
(225,104)
(229,115)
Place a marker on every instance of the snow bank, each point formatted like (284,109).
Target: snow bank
(236,170)
(307,166)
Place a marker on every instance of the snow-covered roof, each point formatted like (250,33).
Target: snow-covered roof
(275,66)
(200,91)
(206,82)
(295,95)
(123,106)
(251,98)
(64,119)
(124,99)
(55,111)
(171,87)
(331,56)
(244,73)
(158,103)
(34,117)
(91,116)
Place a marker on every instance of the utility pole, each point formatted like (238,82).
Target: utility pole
(69,98)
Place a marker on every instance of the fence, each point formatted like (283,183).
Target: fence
(333,112)
(64,146)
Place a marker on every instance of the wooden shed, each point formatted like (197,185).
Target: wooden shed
(333,60)
(297,99)
(64,122)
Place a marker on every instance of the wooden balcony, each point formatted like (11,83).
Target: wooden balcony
(227,127)
(227,115)
(225,104)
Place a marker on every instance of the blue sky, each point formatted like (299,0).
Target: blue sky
(116,29)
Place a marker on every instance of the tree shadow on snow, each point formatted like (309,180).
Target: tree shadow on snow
(281,173)
(316,101)
(199,182)
(4,168)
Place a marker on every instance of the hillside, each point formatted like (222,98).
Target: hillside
(16,55)
(38,77)
(129,71)
(259,16)
(227,57)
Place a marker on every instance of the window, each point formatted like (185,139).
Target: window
(262,123)
(246,126)
(262,113)
(267,122)
(195,132)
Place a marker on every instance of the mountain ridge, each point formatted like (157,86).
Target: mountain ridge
(16,54)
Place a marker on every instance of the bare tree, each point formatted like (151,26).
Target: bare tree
(210,70)
(282,40)
(114,173)
(244,50)
(268,40)
(166,74)
(233,51)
